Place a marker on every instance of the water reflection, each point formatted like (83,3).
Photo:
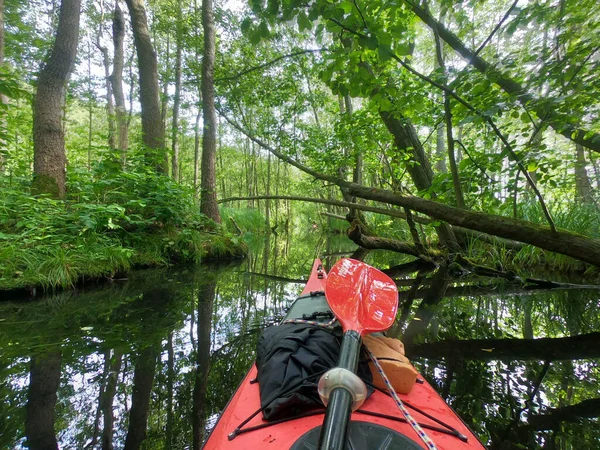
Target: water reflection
(150,362)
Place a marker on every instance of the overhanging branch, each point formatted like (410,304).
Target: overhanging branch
(571,244)
(581,136)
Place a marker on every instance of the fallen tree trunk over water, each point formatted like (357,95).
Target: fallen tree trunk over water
(584,346)
(567,243)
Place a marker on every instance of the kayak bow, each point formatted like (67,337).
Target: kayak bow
(376,424)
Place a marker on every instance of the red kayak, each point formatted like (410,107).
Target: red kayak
(377,424)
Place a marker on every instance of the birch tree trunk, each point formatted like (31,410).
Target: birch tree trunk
(110,107)
(49,160)
(582,182)
(116,78)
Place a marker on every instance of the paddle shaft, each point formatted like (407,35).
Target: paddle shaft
(334,432)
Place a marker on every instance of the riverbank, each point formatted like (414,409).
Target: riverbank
(107,226)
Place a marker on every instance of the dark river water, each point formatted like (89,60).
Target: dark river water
(151,360)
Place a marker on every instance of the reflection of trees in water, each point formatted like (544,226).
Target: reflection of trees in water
(510,364)
(206,298)
(474,343)
(44,378)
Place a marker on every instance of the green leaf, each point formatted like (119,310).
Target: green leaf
(245,26)
(369,42)
(264,30)
(346,6)
(304,23)
(403,49)
(255,38)
(532,167)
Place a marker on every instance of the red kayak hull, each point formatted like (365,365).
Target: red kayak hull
(283,435)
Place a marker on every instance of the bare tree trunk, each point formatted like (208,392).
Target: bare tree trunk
(177,99)
(268,192)
(3,99)
(153,133)
(197,150)
(90,107)
(199,113)
(440,151)
(116,78)
(44,379)
(460,201)
(110,107)
(208,184)
(582,182)
(49,163)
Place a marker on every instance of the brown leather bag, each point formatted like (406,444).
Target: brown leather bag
(390,354)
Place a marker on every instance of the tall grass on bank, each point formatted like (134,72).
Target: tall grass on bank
(578,218)
(111,221)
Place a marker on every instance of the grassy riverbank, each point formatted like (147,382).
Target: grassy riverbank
(111,221)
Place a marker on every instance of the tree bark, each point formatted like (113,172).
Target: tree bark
(44,379)
(548,113)
(177,98)
(197,150)
(153,133)
(143,378)
(458,193)
(116,79)
(3,99)
(357,235)
(1,33)
(406,140)
(110,107)
(584,346)
(49,160)
(583,186)
(208,182)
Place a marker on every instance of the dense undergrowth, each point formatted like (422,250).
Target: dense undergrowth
(111,221)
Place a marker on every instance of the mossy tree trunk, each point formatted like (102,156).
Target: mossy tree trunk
(49,161)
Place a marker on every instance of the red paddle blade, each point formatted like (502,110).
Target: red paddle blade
(363,298)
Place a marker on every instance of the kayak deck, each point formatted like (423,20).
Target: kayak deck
(283,435)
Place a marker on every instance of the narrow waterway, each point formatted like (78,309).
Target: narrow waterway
(152,360)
